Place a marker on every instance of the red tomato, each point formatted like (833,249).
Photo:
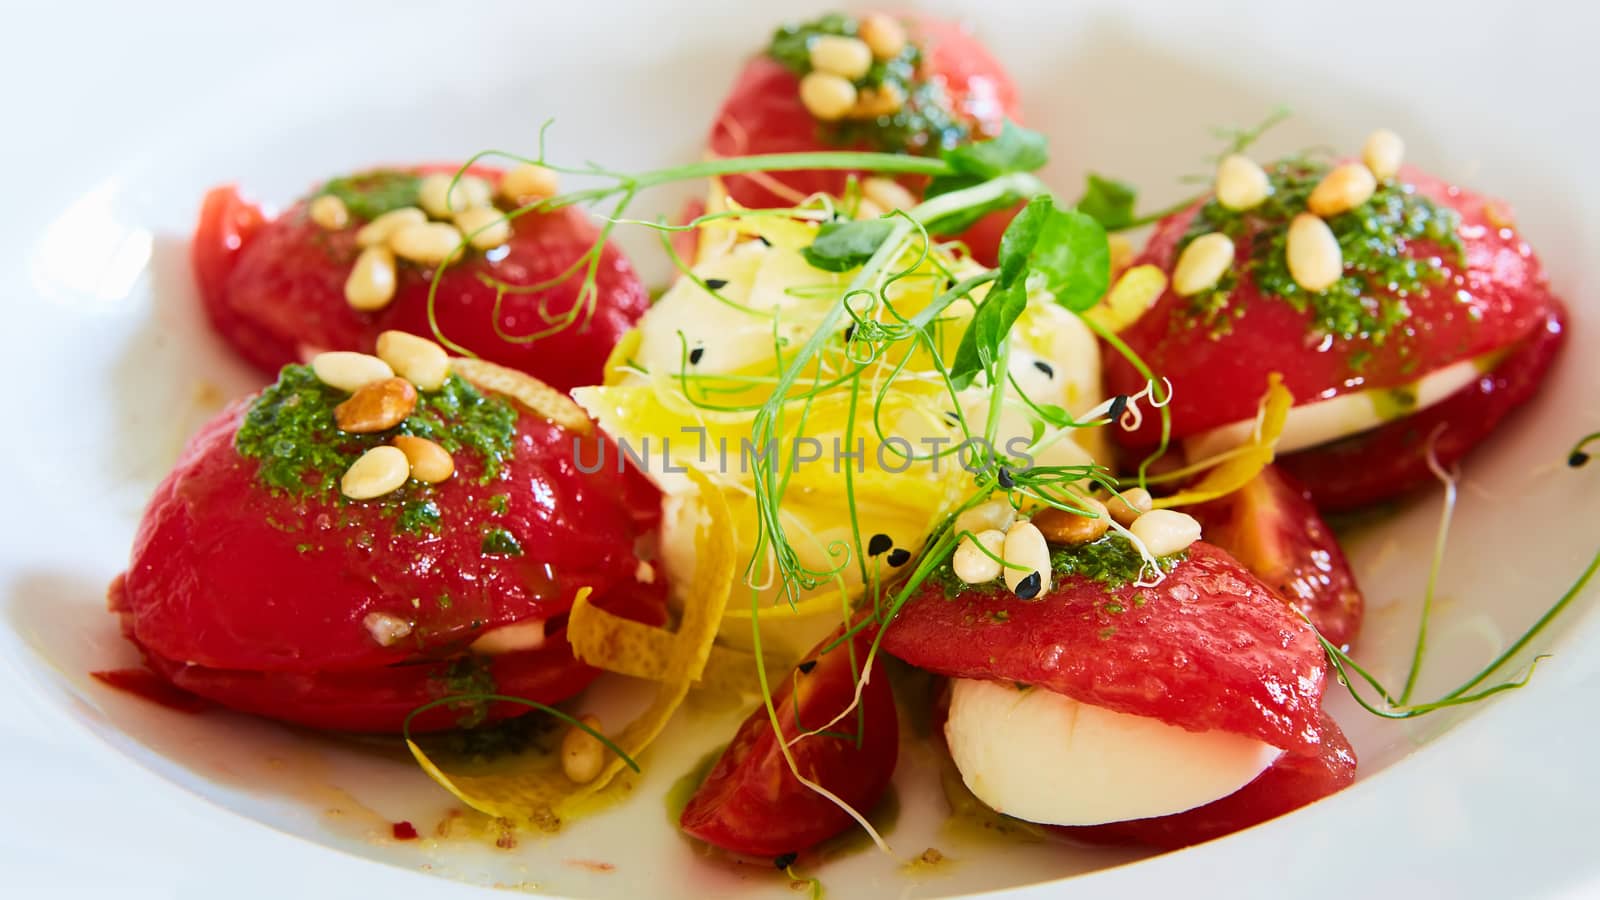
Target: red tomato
(1210,648)
(1271,526)
(1393,459)
(258,599)
(1295,780)
(763,114)
(752,803)
(275,291)
(1497,299)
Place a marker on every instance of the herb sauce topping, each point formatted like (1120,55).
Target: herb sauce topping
(1112,561)
(371,194)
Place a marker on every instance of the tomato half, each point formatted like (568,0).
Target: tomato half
(752,803)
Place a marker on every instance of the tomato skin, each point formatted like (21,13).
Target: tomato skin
(763,114)
(1496,300)
(1209,648)
(1293,781)
(1392,460)
(1272,527)
(751,802)
(280,294)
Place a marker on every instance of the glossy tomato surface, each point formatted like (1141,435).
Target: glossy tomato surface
(1496,299)
(752,803)
(1210,648)
(1271,526)
(274,289)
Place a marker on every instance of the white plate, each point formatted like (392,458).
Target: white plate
(122,114)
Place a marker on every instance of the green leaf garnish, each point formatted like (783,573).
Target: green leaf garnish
(842,246)
(1109,201)
(1015,149)
(1065,249)
(980,345)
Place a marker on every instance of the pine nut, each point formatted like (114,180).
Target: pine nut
(866,209)
(1241,183)
(1025,547)
(1201,264)
(995,513)
(387,630)
(349,371)
(329,213)
(377,472)
(485,226)
(430,463)
(887,193)
(1383,153)
(884,100)
(1315,261)
(582,755)
(883,35)
(428,244)
(1129,505)
(416,359)
(827,96)
(379,406)
(377,232)
(438,200)
(971,564)
(1341,190)
(371,283)
(846,57)
(529,183)
(1060,526)
(1165,531)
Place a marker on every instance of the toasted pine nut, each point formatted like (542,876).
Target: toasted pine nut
(1129,505)
(430,463)
(429,244)
(827,96)
(438,200)
(884,100)
(416,359)
(371,283)
(349,371)
(529,183)
(1025,547)
(379,406)
(387,630)
(377,472)
(1315,260)
(1202,263)
(1062,527)
(885,36)
(971,564)
(485,226)
(887,193)
(582,755)
(1341,190)
(1383,153)
(1241,183)
(329,212)
(518,636)
(377,232)
(866,209)
(846,57)
(1165,531)
(995,512)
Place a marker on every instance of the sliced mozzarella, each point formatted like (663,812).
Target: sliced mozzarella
(1311,424)
(1044,757)
(511,638)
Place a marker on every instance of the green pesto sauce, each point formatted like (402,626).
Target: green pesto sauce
(469,675)
(1392,403)
(371,194)
(925,124)
(1112,561)
(499,503)
(419,516)
(290,430)
(1368,302)
(500,542)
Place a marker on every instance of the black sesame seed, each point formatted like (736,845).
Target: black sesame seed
(949,283)
(849,332)
(1119,404)
(899,557)
(1005,479)
(879,544)
(806,667)
(953,416)
(1044,367)
(1578,459)
(695,354)
(716,284)
(785,861)
(1028,588)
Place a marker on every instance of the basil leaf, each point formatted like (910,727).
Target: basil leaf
(1071,258)
(1109,201)
(1016,149)
(842,246)
(992,321)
